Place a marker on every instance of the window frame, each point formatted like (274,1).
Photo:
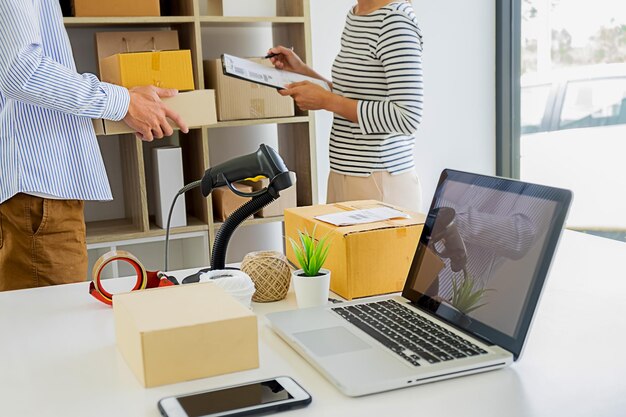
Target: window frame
(508,89)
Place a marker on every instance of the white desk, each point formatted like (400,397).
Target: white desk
(58,356)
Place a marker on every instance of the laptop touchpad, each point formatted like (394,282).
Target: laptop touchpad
(331,341)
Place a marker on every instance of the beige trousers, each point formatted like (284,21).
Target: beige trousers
(402,190)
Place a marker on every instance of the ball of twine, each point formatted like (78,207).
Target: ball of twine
(270,273)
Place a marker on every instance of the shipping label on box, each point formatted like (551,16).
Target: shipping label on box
(365,259)
(197,108)
(165,69)
(184,332)
(241,100)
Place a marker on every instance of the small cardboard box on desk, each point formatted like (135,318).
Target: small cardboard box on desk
(184,332)
(364,259)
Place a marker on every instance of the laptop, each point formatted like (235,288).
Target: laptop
(469,297)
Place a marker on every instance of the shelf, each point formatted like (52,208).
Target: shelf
(252,19)
(252,122)
(112,21)
(295,135)
(123,229)
(255,221)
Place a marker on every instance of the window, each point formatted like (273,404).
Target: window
(593,103)
(561,102)
(534,100)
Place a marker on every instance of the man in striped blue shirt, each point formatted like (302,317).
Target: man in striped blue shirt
(49,156)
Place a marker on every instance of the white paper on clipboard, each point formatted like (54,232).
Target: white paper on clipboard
(263,74)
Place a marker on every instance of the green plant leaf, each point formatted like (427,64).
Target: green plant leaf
(310,254)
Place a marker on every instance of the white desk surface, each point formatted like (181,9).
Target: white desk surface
(58,356)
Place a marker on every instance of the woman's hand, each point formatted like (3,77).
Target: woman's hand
(308,96)
(311,96)
(286,59)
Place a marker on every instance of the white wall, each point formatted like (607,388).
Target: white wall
(458,128)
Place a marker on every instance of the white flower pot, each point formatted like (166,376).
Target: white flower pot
(311,291)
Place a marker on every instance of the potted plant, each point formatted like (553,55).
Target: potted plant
(311,282)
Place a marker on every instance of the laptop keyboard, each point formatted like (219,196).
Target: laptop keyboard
(408,334)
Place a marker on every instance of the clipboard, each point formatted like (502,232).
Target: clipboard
(247,70)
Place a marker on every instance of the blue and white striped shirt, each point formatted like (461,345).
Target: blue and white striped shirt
(47,141)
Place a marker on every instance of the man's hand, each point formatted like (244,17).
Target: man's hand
(147,113)
(308,96)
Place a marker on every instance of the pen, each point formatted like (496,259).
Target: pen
(272,55)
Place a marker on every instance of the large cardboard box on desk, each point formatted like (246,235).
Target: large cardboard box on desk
(184,332)
(240,100)
(197,108)
(366,259)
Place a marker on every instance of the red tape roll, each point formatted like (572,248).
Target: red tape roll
(145,279)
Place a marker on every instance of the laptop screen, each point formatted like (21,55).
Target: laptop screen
(484,254)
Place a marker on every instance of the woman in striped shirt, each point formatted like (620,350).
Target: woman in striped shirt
(377,101)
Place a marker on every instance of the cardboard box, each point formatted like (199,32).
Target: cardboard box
(197,108)
(167,165)
(111,43)
(109,8)
(240,100)
(288,198)
(364,260)
(225,202)
(184,332)
(166,69)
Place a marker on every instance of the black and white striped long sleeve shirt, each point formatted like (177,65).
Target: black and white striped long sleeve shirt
(380,66)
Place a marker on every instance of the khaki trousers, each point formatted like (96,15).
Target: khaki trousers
(402,190)
(42,242)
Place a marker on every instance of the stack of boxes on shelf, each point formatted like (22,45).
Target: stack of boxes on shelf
(133,59)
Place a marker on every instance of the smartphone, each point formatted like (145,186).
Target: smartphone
(269,395)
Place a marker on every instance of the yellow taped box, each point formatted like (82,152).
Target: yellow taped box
(240,99)
(174,334)
(366,259)
(197,108)
(166,69)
